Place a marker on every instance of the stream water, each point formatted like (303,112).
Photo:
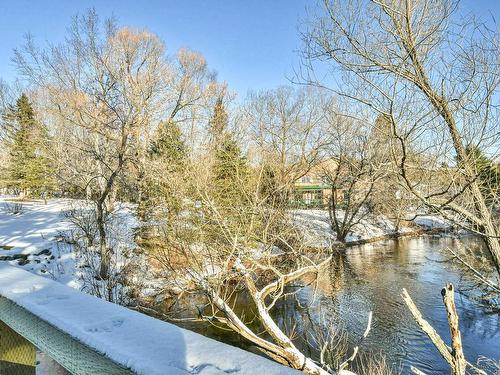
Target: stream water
(370,278)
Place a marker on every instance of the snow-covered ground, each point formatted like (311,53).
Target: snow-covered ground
(317,232)
(32,239)
(34,233)
(146,345)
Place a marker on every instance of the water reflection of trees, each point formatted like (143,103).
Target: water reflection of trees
(370,278)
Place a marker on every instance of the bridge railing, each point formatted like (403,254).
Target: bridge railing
(34,333)
(87,335)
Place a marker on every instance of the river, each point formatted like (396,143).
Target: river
(370,278)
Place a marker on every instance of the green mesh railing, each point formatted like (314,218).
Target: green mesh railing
(22,331)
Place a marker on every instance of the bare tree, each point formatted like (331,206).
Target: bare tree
(4,131)
(354,172)
(5,100)
(433,78)
(287,132)
(103,89)
(469,262)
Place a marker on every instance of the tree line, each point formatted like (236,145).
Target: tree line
(109,116)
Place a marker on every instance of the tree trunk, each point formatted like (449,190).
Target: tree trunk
(441,106)
(487,225)
(458,364)
(103,248)
(141,194)
(493,244)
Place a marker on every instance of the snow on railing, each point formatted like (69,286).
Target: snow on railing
(87,335)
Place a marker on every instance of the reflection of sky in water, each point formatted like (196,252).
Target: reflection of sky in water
(372,279)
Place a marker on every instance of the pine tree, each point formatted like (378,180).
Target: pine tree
(271,190)
(219,121)
(230,184)
(29,169)
(230,168)
(167,159)
(169,146)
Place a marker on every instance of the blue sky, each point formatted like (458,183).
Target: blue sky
(250,43)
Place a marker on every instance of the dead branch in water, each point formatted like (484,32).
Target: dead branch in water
(477,274)
(453,356)
(457,353)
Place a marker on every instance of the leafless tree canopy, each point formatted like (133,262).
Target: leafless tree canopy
(433,78)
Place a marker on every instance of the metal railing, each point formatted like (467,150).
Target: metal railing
(21,332)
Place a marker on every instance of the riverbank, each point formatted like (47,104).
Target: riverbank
(39,236)
(315,227)
(33,238)
(397,235)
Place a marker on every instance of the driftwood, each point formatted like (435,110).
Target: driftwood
(454,356)
(457,353)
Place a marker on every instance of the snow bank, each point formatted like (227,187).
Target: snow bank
(318,233)
(32,230)
(33,235)
(146,345)
(315,227)
(432,222)
(33,241)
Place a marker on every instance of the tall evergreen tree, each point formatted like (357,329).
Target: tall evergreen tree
(169,146)
(28,169)
(219,121)
(167,159)
(230,168)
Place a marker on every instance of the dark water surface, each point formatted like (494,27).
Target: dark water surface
(370,278)
(373,277)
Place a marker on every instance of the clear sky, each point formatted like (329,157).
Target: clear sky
(252,44)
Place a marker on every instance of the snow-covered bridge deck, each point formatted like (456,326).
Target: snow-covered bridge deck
(87,335)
